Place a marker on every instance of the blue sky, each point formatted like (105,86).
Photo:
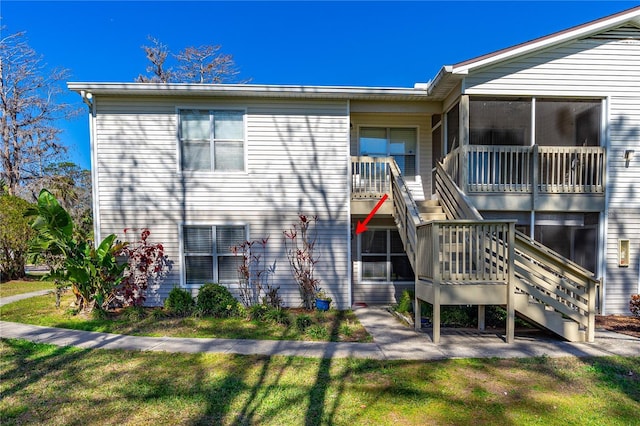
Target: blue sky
(314,43)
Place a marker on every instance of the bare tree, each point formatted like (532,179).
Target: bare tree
(28,113)
(157,54)
(203,64)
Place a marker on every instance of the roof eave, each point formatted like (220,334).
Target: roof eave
(250,90)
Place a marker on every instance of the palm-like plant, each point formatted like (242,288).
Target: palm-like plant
(93,273)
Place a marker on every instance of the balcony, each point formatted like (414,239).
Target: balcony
(530,178)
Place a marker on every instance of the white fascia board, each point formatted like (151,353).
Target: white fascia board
(248,90)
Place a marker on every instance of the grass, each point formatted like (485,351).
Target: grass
(44,384)
(11,288)
(329,326)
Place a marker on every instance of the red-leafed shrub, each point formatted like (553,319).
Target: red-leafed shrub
(300,244)
(634,305)
(146,263)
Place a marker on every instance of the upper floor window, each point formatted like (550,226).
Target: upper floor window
(212,140)
(399,143)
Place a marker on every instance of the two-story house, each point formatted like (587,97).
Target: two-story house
(511,178)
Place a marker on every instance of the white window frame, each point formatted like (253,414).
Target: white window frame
(214,251)
(211,111)
(388,128)
(388,255)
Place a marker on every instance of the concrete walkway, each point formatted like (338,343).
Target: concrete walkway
(392,340)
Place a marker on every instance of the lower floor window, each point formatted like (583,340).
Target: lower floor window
(382,256)
(207,253)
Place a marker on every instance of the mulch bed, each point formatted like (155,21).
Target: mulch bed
(620,324)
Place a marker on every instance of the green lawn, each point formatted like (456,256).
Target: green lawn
(329,326)
(14,287)
(44,384)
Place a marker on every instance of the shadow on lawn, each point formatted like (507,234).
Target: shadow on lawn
(74,386)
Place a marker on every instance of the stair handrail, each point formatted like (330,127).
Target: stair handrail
(556,281)
(542,273)
(405,210)
(454,202)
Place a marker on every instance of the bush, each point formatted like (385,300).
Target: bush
(179,302)
(303,321)
(216,301)
(146,262)
(133,313)
(14,237)
(318,332)
(459,316)
(278,316)
(404,304)
(257,312)
(634,305)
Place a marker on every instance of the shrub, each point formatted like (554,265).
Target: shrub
(133,313)
(97,314)
(346,330)
(278,316)
(257,312)
(146,262)
(179,302)
(14,237)
(300,245)
(404,304)
(216,300)
(634,305)
(303,321)
(158,314)
(318,332)
(459,316)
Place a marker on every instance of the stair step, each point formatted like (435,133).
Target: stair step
(551,320)
(429,203)
(429,206)
(432,216)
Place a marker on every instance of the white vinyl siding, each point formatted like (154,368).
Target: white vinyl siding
(605,66)
(297,161)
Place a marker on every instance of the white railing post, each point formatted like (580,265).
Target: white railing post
(591,315)
(535,178)
(511,316)
(437,276)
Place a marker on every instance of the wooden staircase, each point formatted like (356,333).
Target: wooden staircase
(459,258)
(431,210)
(545,317)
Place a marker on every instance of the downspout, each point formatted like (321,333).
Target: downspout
(87,99)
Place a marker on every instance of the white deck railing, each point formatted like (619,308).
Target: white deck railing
(465,251)
(518,169)
(369,177)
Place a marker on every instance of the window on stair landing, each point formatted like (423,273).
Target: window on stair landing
(212,140)
(382,257)
(399,143)
(207,253)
